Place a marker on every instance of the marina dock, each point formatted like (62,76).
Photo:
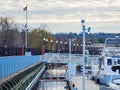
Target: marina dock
(89,84)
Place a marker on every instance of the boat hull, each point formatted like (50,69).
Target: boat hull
(107,78)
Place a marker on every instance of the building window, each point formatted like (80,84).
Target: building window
(118,61)
(115,62)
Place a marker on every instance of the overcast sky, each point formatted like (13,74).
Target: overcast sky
(65,15)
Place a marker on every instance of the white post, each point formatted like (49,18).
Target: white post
(70,49)
(83,61)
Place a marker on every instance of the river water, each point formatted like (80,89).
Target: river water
(53,84)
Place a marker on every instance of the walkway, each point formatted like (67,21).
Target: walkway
(90,85)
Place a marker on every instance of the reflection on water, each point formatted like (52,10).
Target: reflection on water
(55,73)
(53,85)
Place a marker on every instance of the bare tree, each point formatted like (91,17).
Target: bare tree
(9,34)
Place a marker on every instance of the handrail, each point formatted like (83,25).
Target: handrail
(30,86)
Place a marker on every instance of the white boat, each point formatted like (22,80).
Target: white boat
(115,84)
(109,58)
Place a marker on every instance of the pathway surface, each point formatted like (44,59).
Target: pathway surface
(89,84)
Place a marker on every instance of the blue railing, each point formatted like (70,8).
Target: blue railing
(12,64)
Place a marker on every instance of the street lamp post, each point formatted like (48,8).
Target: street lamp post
(69,47)
(65,47)
(77,48)
(46,44)
(74,48)
(56,46)
(44,41)
(84,28)
(44,47)
(61,45)
(51,45)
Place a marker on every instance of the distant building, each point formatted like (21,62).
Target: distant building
(95,48)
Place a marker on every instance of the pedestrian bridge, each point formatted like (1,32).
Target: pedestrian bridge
(65,58)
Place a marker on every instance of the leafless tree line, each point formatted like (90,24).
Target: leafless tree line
(12,35)
(9,33)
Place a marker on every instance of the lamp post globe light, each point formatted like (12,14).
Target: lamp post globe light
(83,61)
(65,43)
(46,40)
(77,44)
(60,42)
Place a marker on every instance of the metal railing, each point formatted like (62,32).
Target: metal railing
(31,85)
(65,58)
(12,64)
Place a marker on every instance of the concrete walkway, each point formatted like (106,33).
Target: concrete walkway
(89,84)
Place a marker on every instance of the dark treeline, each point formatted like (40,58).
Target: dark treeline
(93,37)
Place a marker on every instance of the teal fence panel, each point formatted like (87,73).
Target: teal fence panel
(12,64)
